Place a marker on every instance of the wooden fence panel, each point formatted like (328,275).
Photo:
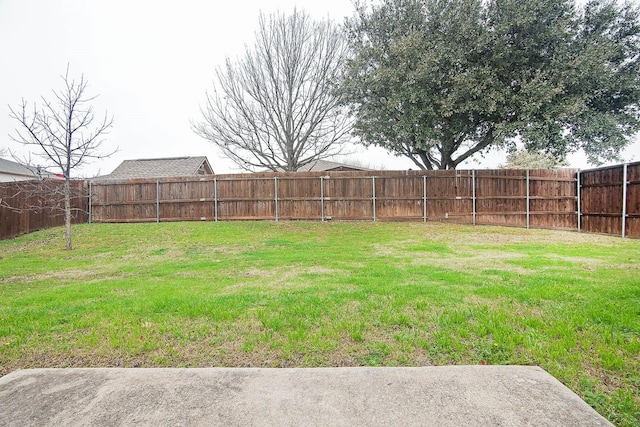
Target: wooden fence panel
(300,198)
(449,196)
(124,201)
(501,197)
(189,200)
(12,222)
(633,200)
(348,197)
(601,200)
(28,206)
(553,199)
(399,198)
(246,198)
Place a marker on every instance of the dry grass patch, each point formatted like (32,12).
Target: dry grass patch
(479,261)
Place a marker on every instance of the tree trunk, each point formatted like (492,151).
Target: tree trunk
(67,213)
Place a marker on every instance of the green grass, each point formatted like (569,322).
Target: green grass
(329,294)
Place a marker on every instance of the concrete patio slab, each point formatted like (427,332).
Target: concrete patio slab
(426,396)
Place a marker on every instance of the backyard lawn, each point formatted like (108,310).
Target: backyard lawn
(309,294)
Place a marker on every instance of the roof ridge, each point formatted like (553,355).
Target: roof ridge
(164,158)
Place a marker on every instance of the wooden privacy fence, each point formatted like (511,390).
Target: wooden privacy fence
(27,206)
(604,200)
(610,200)
(534,198)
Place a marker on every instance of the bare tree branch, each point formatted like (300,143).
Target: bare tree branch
(41,195)
(64,134)
(276,108)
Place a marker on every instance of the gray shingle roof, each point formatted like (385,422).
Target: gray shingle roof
(13,168)
(326,165)
(160,168)
(7,167)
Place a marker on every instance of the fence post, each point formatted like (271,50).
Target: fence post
(424,198)
(157,200)
(215,198)
(578,185)
(528,197)
(90,202)
(473,195)
(322,198)
(624,200)
(275,183)
(373,183)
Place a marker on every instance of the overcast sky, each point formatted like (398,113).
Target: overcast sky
(151,63)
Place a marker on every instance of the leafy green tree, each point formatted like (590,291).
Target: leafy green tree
(440,81)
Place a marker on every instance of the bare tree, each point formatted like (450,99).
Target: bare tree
(64,134)
(276,108)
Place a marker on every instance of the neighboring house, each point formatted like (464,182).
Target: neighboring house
(161,168)
(326,165)
(12,171)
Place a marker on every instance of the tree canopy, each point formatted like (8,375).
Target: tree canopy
(440,81)
(276,107)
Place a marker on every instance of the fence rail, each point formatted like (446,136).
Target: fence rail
(605,200)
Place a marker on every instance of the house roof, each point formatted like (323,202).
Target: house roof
(160,168)
(13,168)
(20,171)
(326,165)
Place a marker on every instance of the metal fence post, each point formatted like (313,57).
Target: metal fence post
(473,193)
(275,183)
(373,183)
(157,200)
(528,198)
(624,200)
(90,202)
(424,198)
(215,198)
(579,201)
